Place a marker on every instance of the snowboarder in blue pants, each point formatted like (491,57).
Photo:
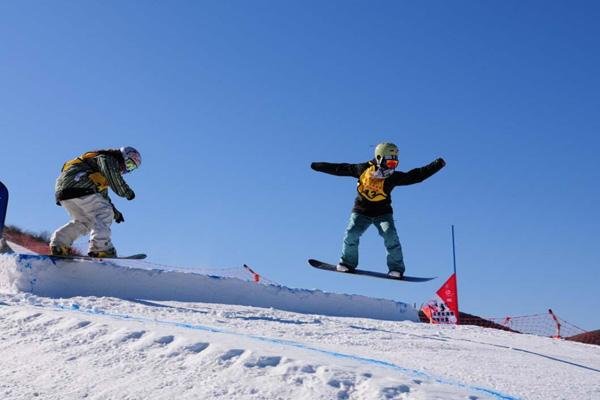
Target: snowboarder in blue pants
(373,204)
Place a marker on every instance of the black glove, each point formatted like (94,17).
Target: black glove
(441,162)
(130,195)
(316,166)
(118,216)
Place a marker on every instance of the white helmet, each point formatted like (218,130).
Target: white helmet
(132,157)
(386,155)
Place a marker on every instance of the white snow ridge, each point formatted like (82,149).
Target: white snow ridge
(110,330)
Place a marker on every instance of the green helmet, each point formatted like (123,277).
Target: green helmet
(386,151)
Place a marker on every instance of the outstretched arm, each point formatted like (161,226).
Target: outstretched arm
(418,174)
(338,169)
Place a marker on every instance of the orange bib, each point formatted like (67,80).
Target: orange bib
(371,188)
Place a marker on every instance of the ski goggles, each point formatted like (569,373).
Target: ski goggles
(130,165)
(390,163)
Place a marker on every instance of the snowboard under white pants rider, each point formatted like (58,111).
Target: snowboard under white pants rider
(92,214)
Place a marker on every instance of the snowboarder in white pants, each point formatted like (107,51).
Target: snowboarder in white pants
(82,188)
(92,214)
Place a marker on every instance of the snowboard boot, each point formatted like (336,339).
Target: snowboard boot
(60,250)
(396,274)
(343,267)
(108,253)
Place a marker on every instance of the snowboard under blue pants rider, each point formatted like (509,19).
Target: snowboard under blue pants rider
(385,226)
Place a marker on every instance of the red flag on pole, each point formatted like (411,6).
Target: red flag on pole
(443,308)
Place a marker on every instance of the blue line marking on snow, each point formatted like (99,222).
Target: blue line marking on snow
(53,260)
(283,342)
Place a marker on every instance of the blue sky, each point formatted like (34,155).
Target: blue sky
(230,102)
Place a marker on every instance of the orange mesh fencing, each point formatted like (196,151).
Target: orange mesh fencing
(547,324)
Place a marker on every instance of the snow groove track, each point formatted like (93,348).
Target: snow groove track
(177,363)
(107,348)
(274,361)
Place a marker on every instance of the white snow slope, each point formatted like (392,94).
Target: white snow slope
(56,343)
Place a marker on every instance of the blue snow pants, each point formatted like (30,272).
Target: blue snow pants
(385,226)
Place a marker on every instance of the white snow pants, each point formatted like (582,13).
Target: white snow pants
(91,214)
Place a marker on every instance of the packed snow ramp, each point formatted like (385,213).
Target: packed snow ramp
(43,276)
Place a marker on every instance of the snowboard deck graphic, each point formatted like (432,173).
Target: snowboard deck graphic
(330,267)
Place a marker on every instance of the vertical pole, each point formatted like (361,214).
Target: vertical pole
(455,276)
(453,250)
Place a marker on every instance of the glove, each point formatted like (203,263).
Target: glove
(441,162)
(316,166)
(118,216)
(130,195)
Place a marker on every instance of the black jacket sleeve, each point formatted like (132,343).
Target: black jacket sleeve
(418,174)
(341,169)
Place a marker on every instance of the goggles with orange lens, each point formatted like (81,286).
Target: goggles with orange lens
(391,163)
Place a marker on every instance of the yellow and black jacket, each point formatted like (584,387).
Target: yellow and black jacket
(375,194)
(92,172)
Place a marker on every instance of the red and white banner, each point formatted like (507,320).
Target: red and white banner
(443,308)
